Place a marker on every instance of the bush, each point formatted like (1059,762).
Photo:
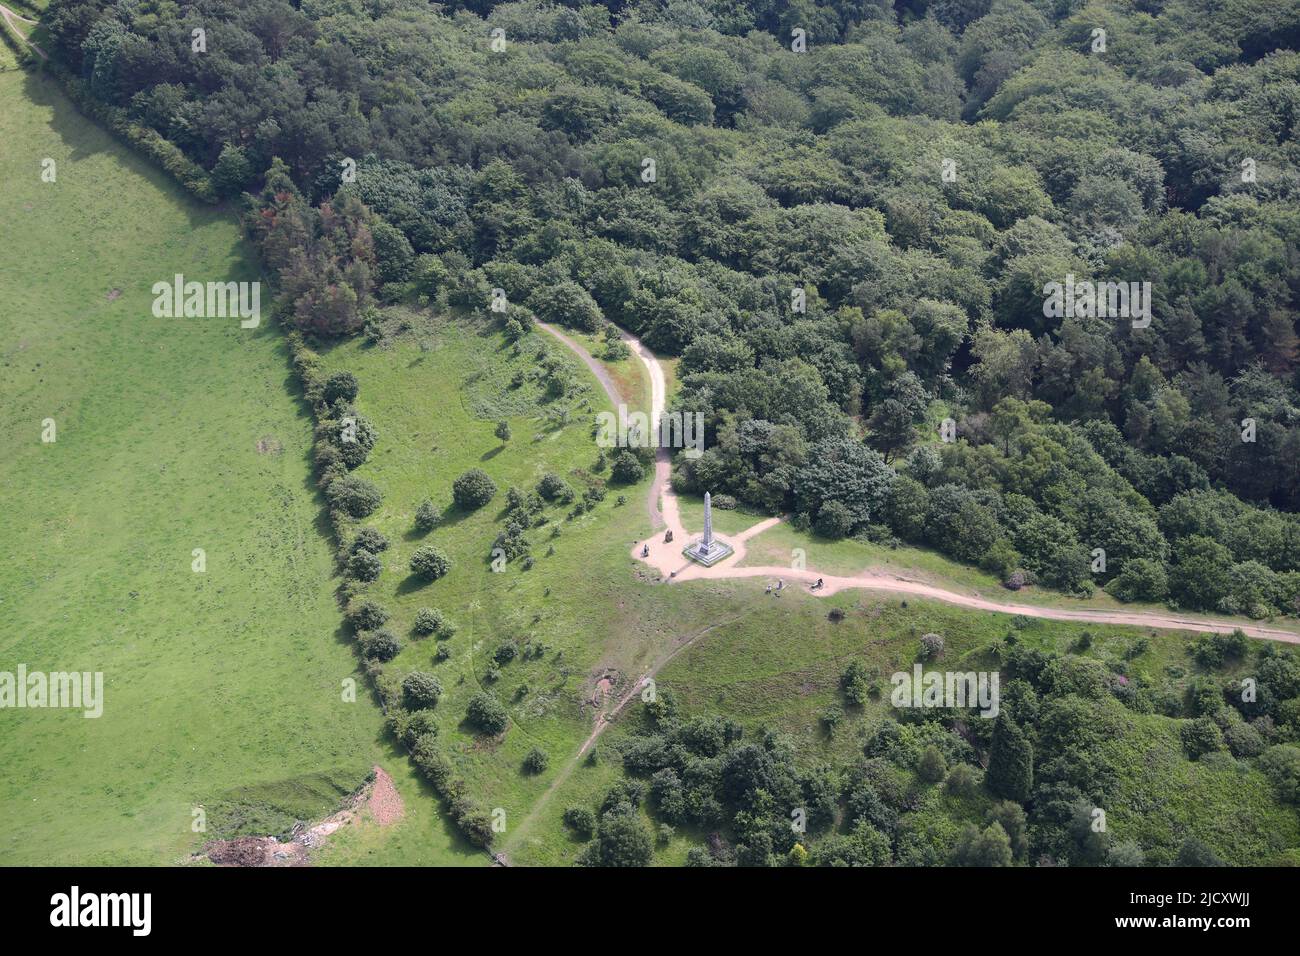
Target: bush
(486,713)
(834,520)
(368,539)
(426,517)
(473,489)
(365,566)
(1201,736)
(854,683)
(428,620)
(420,690)
(931,647)
(1140,579)
(962,781)
(367,616)
(429,563)
(932,767)
(536,761)
(626,469)
(506,652)
(340,385)
(581,820)
(354,496)
(380,645)
(554,488)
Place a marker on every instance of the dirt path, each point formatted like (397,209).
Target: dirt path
(668,560)
(9,17)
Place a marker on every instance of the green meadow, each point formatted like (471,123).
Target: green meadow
(222,688)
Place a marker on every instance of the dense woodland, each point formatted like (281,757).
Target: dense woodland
(1169,157)
(525,168)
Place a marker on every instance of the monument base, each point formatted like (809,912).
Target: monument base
(717,551)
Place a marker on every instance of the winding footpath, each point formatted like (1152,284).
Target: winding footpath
(668,560)
(9,17)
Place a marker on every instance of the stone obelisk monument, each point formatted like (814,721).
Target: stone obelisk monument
(707,551)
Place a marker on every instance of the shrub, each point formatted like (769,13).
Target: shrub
(340,385)
(1201,736)
(486,713)
(354,496)
(581,820)
(506,652)
(428,620)
(368,539)
(380,645)
(430,563)
(536,760)
(724,502)
(962,781)
(365,566)
(931,647)
(473,489)
(367,616)
(441,654)
(426,517)
(432,762)
(1140,579)
(834,520)
(626,469)
(410,727)
(932,768)
(854,683)
(554,488)
(420,690)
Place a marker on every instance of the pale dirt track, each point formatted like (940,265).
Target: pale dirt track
(9,17)
(668,560)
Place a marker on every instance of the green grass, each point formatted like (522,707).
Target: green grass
(223,689)
(434,394)
(780,669)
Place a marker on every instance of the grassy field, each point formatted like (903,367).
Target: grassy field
(222,688)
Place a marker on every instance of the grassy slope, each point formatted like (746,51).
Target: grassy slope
(781,669)
(214,681)
(435,395)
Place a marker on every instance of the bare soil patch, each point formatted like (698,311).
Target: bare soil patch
(378,802)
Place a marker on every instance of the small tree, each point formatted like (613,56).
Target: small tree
(473,489)
(536,761)
(340,385)
(369,539)
(854,682)
(365,566)
(581,820)
(428,620)
(354,496)
(487,713)
(367,616)
(421,690)
(1011,761)
(426,517)
(503,431)
(932,766)
(626,469)
(380,645)
(429,563)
